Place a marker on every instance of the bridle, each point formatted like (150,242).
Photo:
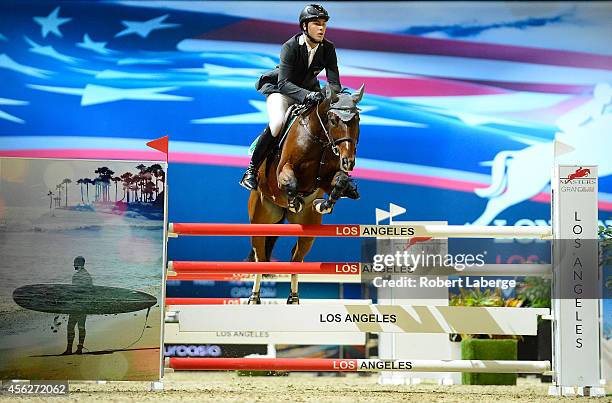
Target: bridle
(346,114)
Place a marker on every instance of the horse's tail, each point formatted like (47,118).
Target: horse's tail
(498,176)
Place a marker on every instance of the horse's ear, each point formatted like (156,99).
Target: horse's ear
(358,95)
(331,94)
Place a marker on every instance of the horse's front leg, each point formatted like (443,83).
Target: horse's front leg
(339,184)
(288,182)
(259,255)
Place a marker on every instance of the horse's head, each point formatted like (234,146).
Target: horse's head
(343,124)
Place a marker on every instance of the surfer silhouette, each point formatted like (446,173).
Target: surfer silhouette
(80,279)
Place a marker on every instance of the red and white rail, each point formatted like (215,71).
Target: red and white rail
(360,231)
(356,365)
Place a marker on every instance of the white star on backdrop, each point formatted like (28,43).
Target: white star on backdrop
(7,63)
(6,116)
(98,94)
(143,29)
(51,23)
(98,47)
(49,51)
(115,74)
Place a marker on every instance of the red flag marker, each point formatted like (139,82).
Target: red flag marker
(160,144)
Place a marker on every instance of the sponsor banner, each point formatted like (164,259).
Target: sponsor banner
(361,318)
(576,269)
(257,337)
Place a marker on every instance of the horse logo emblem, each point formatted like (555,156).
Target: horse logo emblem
(580,173)
(517,176)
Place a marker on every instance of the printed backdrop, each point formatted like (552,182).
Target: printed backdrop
(454,91)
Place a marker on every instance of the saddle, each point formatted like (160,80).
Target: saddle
(293,112)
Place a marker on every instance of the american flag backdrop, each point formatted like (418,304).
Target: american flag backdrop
(452,89)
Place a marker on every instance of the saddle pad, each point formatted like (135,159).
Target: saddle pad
(254,143)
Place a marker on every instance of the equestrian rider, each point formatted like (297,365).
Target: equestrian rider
(302,58)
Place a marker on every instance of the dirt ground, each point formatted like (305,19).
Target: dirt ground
(229,387)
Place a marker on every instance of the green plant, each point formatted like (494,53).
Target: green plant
(535,292)
(476,297)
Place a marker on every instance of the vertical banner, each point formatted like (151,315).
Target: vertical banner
(575,270)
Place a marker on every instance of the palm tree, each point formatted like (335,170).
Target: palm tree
(149,189)
(158,172)
(87,183)
(116,179)
(146,180)
(50,194)
(59,195)
(96,183)
(127,178)
(66,181)
(105,183)
(80,182)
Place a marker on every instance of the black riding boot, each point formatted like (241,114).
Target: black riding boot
(262,149)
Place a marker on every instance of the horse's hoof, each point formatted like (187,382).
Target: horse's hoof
(351,191)
(322,206)
(293,299)
(296,205)
(254,299)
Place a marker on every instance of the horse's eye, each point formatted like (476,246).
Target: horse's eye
(333,119)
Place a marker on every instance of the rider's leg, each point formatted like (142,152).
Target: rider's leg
(277,105)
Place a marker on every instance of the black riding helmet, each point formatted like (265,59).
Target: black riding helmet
(312,12)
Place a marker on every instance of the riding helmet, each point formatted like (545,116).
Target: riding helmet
(313,11)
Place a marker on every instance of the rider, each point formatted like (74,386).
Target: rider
(302,58)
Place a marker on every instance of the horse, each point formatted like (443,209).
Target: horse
(315,157)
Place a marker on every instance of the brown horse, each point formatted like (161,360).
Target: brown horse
(315,158)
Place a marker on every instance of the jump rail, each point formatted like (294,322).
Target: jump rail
(357,365)
(195,268)
(360,231)
(244,301)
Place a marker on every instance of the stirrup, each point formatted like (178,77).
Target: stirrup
(254,299)
(293,299)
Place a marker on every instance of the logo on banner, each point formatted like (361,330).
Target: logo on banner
(208,350)
(579,173)
(579,181)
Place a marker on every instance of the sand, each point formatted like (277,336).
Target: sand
(228,387)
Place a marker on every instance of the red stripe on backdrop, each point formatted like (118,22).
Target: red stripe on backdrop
(234,161)
(77,153)
(264,31)
(418,87)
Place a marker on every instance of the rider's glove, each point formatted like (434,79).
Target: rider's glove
(314,97)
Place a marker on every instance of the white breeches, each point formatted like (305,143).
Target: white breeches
(277,105)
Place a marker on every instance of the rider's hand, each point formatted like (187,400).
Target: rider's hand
(314,97)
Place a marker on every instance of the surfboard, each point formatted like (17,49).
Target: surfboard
(73,299)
